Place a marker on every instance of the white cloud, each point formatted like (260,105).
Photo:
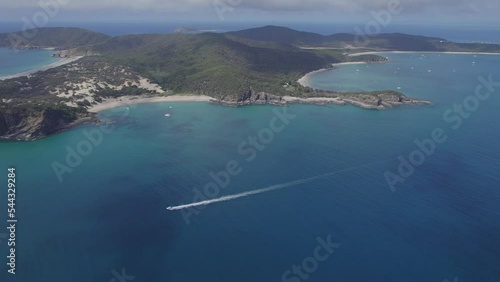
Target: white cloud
(457,10)
(349,6)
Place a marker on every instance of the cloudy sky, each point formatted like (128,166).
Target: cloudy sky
(425,11)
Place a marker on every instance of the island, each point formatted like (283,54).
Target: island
(255,66)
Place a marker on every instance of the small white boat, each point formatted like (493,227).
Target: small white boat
(170,107)
(168,115)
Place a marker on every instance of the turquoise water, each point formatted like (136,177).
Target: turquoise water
(12,62)
(110,213)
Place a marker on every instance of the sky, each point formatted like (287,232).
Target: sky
(425,12)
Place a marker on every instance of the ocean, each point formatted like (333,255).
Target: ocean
(92,202)
(17,61)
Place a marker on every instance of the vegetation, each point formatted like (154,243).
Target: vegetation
(60,37)
(125,91)
(261,60)
(67,113)
(389,41)
(213,64)
(237,67)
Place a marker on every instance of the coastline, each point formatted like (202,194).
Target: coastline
(421,52)
(305,80)
(315,100)
(134,100)
(61,62)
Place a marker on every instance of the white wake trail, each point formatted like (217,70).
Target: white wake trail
(264,190)
(241,195)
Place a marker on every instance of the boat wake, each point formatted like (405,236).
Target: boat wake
(264,190)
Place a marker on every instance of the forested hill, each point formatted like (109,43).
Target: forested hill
(211,63)
(384,41)
(57,37)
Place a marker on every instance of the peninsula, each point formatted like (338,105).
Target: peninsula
(256,66)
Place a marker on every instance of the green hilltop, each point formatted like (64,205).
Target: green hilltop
(51,37)
(384,41)
(212,64)
(253,66)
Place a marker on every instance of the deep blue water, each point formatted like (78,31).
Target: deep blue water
(17,61)
(110,213)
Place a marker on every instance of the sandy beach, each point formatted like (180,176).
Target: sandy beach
(59,63)
(133,100)
(423,52)
(304,81)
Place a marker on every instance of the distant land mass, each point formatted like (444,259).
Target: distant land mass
(193,30)
(61,38)
(254,66)
(382,42)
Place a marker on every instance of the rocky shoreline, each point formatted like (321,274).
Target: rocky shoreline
(81,101)
(381,100)
(25,125)
(30,126)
